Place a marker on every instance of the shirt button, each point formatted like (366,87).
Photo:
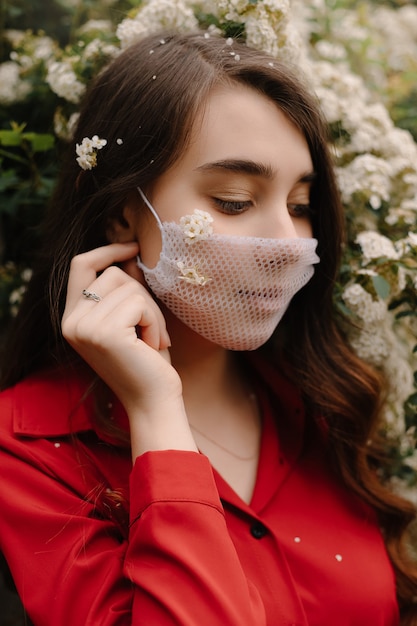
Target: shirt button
(258,530)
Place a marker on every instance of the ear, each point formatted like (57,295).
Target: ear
(123,227)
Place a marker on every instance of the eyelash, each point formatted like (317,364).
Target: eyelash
(239,206)
(302,210)
(230,207)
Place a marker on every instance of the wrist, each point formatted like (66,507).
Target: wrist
(160,426)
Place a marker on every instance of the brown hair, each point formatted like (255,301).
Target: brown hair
(149,97)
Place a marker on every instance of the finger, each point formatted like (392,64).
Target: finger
(112,283)
(109,328)
(131,306)
(84,267)
(120,295)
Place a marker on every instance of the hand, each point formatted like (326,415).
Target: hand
(123,337)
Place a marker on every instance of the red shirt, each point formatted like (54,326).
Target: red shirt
(304,552)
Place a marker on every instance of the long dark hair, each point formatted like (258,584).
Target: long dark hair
(144,105)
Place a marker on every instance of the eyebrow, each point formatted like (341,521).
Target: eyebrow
(246,166)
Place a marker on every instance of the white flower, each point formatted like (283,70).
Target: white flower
(63,81)
(196,227)
(412,239)
(367,175)
(154,16)
(12,87)
(87,151)
(192,275)
(371,345)
(331,50)
(15,299)
(63,127)
(374,246)
(97,48)
(362,303)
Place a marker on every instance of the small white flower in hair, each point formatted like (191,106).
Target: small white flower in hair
(87,151)
(192,275)
(197,227)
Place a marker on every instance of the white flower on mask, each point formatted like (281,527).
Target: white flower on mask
(192,275)
(196,227)
(87,151)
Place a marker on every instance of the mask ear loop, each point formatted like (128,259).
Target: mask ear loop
(158,221)
(150,207)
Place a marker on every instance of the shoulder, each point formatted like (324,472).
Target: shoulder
(42,404)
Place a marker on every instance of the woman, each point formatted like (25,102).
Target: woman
(201,453)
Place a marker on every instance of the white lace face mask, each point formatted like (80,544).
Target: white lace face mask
(231,290)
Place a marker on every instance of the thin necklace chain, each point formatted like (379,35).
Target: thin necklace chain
(219,445)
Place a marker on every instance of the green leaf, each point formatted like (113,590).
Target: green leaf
(381,286)
(8,179)
(344,309)
(10,138)
(41,142)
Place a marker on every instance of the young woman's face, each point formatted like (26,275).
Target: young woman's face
(246,164)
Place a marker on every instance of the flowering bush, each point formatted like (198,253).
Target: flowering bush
(361,60)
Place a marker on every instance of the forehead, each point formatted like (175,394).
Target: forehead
(239,122)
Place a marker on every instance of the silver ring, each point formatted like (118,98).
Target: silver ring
(90,295)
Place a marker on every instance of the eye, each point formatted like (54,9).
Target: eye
(232,206)
(300,210)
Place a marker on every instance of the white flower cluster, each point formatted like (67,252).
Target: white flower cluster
(30,51)
(374,246)
(87,151)
(377,161)
(398,32)
(367,175)
(267,24)
(375,341)
(197,227)
(97,48)
(33,49)
(17,294)
(154,16)
(377,165)
(12,87)
(361,302)
(64,82)
(192,275)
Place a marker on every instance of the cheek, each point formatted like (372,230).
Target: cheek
(304,228)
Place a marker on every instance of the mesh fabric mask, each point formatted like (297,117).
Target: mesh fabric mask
(229,289)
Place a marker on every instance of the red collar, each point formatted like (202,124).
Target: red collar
(52,403)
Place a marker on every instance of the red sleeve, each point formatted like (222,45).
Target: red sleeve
(180,552)
(177,566)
